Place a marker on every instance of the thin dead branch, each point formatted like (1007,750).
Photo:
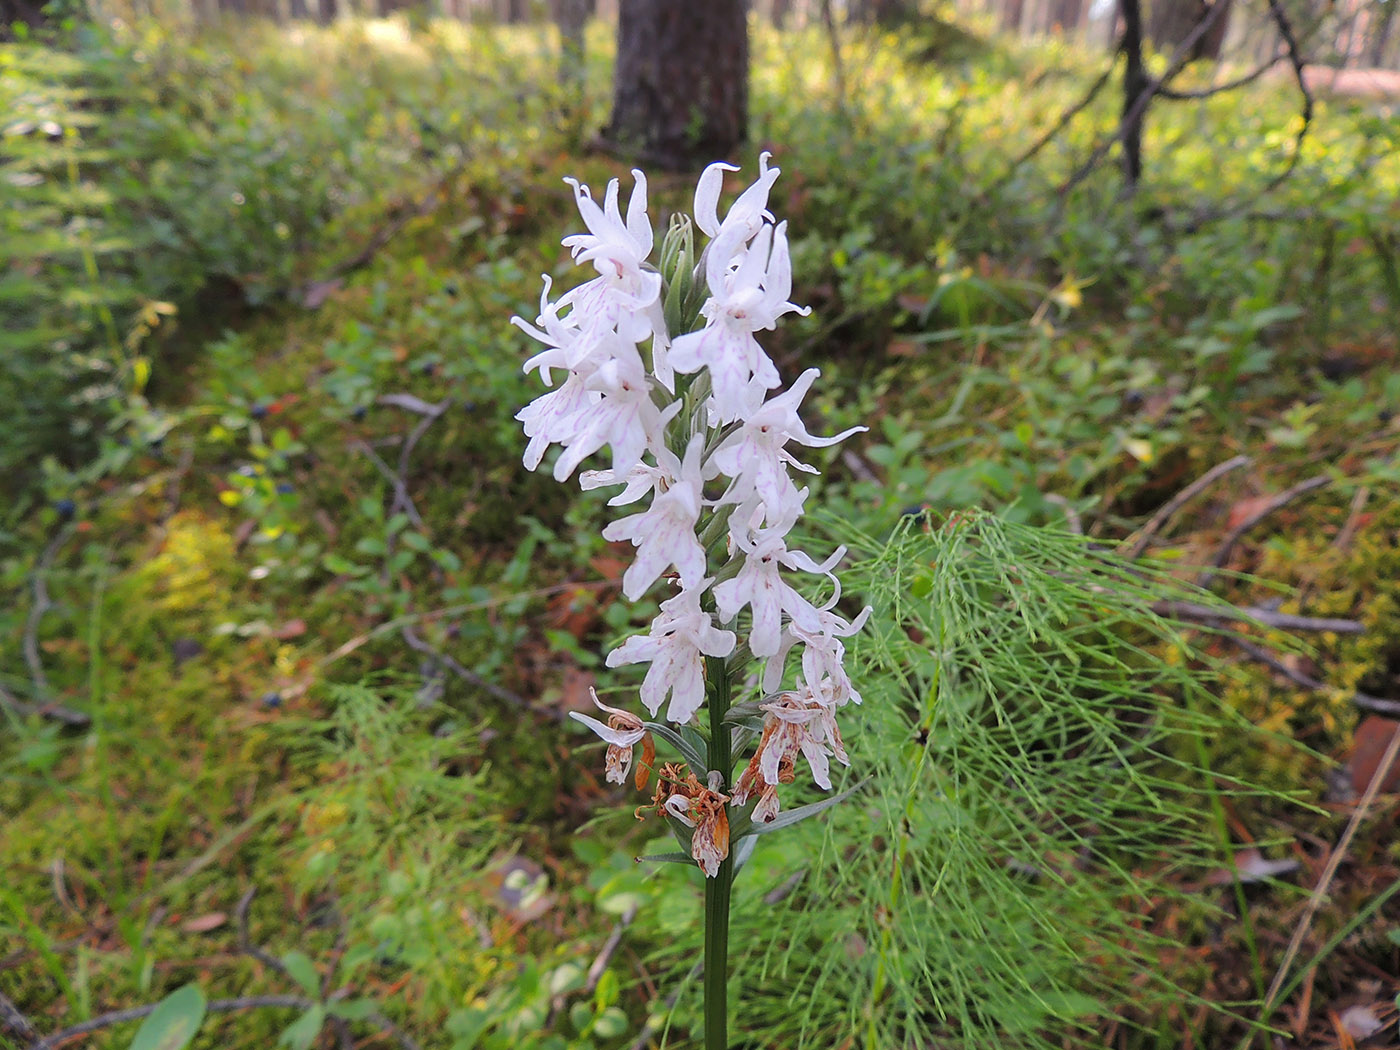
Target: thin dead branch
(1348,530)
(14,1022)
(600,963)
(469,676)
(51,711)
(1319,893)
(137,1013)
(39,585)
(1060,124)
(1227,546)
(245,943)
(1380,705)
(1220,89)
(1254,614)
(1167,511)
(1133,114)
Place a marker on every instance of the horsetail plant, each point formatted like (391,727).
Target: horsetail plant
(661,364)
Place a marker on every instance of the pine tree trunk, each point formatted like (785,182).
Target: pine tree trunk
(1170,22)
(30,12)
(1135,82)
(681,89)
(1382,37)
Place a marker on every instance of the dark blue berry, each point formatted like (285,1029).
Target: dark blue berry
(285,488)
(272,700)
(359,413)
(66,508)
(258,411)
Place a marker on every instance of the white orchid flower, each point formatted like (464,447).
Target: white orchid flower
(743,300)
(760,586)
(746,214)
(625,416)
(823,654)
(680,639)
(664,534)
(754,455)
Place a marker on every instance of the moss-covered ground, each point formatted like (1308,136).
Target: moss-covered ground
(321,629)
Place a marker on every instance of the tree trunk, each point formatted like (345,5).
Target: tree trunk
(1134,84)
(571,16)
(1011,13)
(30,12)
(1382,37)
(1066,16)
(1170,22)
(681,89)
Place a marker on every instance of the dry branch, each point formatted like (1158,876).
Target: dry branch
(1362,700)
(1266,617)
(1165,513)
(1237,533)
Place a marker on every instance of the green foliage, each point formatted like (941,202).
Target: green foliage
(1031,728)
(174,1022)
(148,178)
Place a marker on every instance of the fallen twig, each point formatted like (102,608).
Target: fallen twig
(245,943)
(600,963)
(1362,700)
(1237,533)
(1266,617)
(42,604)
(1348,532)
(595,970)
(136,1013)
(402,500)
(401,496)
(1334,862)
(469,676)
(53,712)
(1164,514)
(14,1022)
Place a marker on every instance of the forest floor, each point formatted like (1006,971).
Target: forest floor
(287,647)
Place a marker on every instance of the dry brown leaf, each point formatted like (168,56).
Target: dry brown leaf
(204,923)
(290,629)
(1371,739)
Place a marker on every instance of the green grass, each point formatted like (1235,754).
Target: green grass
(228,598)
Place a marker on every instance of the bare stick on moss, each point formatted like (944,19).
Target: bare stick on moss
(1237,533)
(1365,701)
(1168,510)
(1266,617)
(1319,893)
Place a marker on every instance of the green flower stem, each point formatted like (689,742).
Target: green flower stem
(717,889)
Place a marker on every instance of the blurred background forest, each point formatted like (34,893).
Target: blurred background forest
(289,638)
